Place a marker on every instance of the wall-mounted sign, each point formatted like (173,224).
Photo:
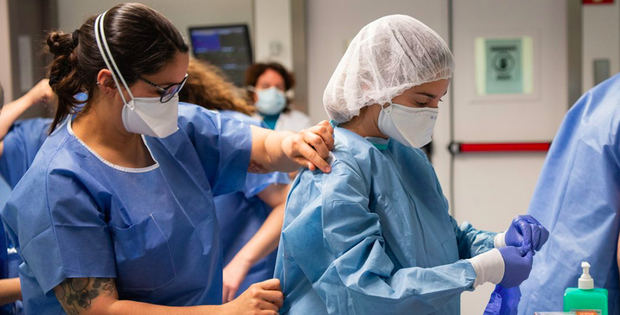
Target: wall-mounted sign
(504,65)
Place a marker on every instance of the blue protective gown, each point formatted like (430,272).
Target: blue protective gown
(374,236)
(241,214)
(154,229)
(578,199)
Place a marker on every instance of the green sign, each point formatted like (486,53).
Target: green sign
(504,65)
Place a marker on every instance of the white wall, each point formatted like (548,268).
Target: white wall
(272,30)
(182,13)
(601,39)
(5,52)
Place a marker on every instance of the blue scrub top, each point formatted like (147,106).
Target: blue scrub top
(241,214)
(270,121)
(374,236)
(21,144)
(578,199)
(154,229)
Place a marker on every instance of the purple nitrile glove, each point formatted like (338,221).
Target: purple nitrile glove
(503,301)
(516,267)
(526,233)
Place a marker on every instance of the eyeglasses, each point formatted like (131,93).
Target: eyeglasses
(168,92)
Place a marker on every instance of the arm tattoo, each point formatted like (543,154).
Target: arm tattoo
(76,294)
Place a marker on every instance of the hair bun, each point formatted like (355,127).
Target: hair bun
(60,43)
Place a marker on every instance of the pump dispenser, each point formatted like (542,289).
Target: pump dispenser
(585,281)
(585,299)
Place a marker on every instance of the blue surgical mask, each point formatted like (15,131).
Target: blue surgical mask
(271,101)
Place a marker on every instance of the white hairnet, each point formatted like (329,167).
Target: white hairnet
(387,57)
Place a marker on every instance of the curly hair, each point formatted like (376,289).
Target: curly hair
(207,87)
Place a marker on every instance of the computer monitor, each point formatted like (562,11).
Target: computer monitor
(225,46)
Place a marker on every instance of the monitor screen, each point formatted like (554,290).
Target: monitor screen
(225,46)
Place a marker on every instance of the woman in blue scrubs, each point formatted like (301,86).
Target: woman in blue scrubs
(250,220)
(374,236)
(22,139)
(116,213)
(19,143)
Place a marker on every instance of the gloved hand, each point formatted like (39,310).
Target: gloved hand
(503,301)
(526,233)
(516,267)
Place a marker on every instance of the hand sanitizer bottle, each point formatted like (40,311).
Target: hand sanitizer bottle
(586,300)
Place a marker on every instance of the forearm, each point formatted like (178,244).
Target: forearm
(267,153)
(373,287)
(265,240)
(472,242)
(139,308)
(279,160)
(90,296)
(10,290)
(11,112)
(97,296)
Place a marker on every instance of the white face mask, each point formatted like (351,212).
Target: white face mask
(149,116)
(409,126)
(142,115)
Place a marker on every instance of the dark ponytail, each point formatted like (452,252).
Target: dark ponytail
(141,41)
(62,73)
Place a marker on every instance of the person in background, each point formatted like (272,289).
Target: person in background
(250,220)
(267,85)
(374,236)
(115,214)
(578,198)
(19,143)
(20,140)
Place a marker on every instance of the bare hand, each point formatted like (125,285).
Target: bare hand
(233,275)
(310,147)
(263,298)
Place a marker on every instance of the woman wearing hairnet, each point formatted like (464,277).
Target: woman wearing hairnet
(374,236)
